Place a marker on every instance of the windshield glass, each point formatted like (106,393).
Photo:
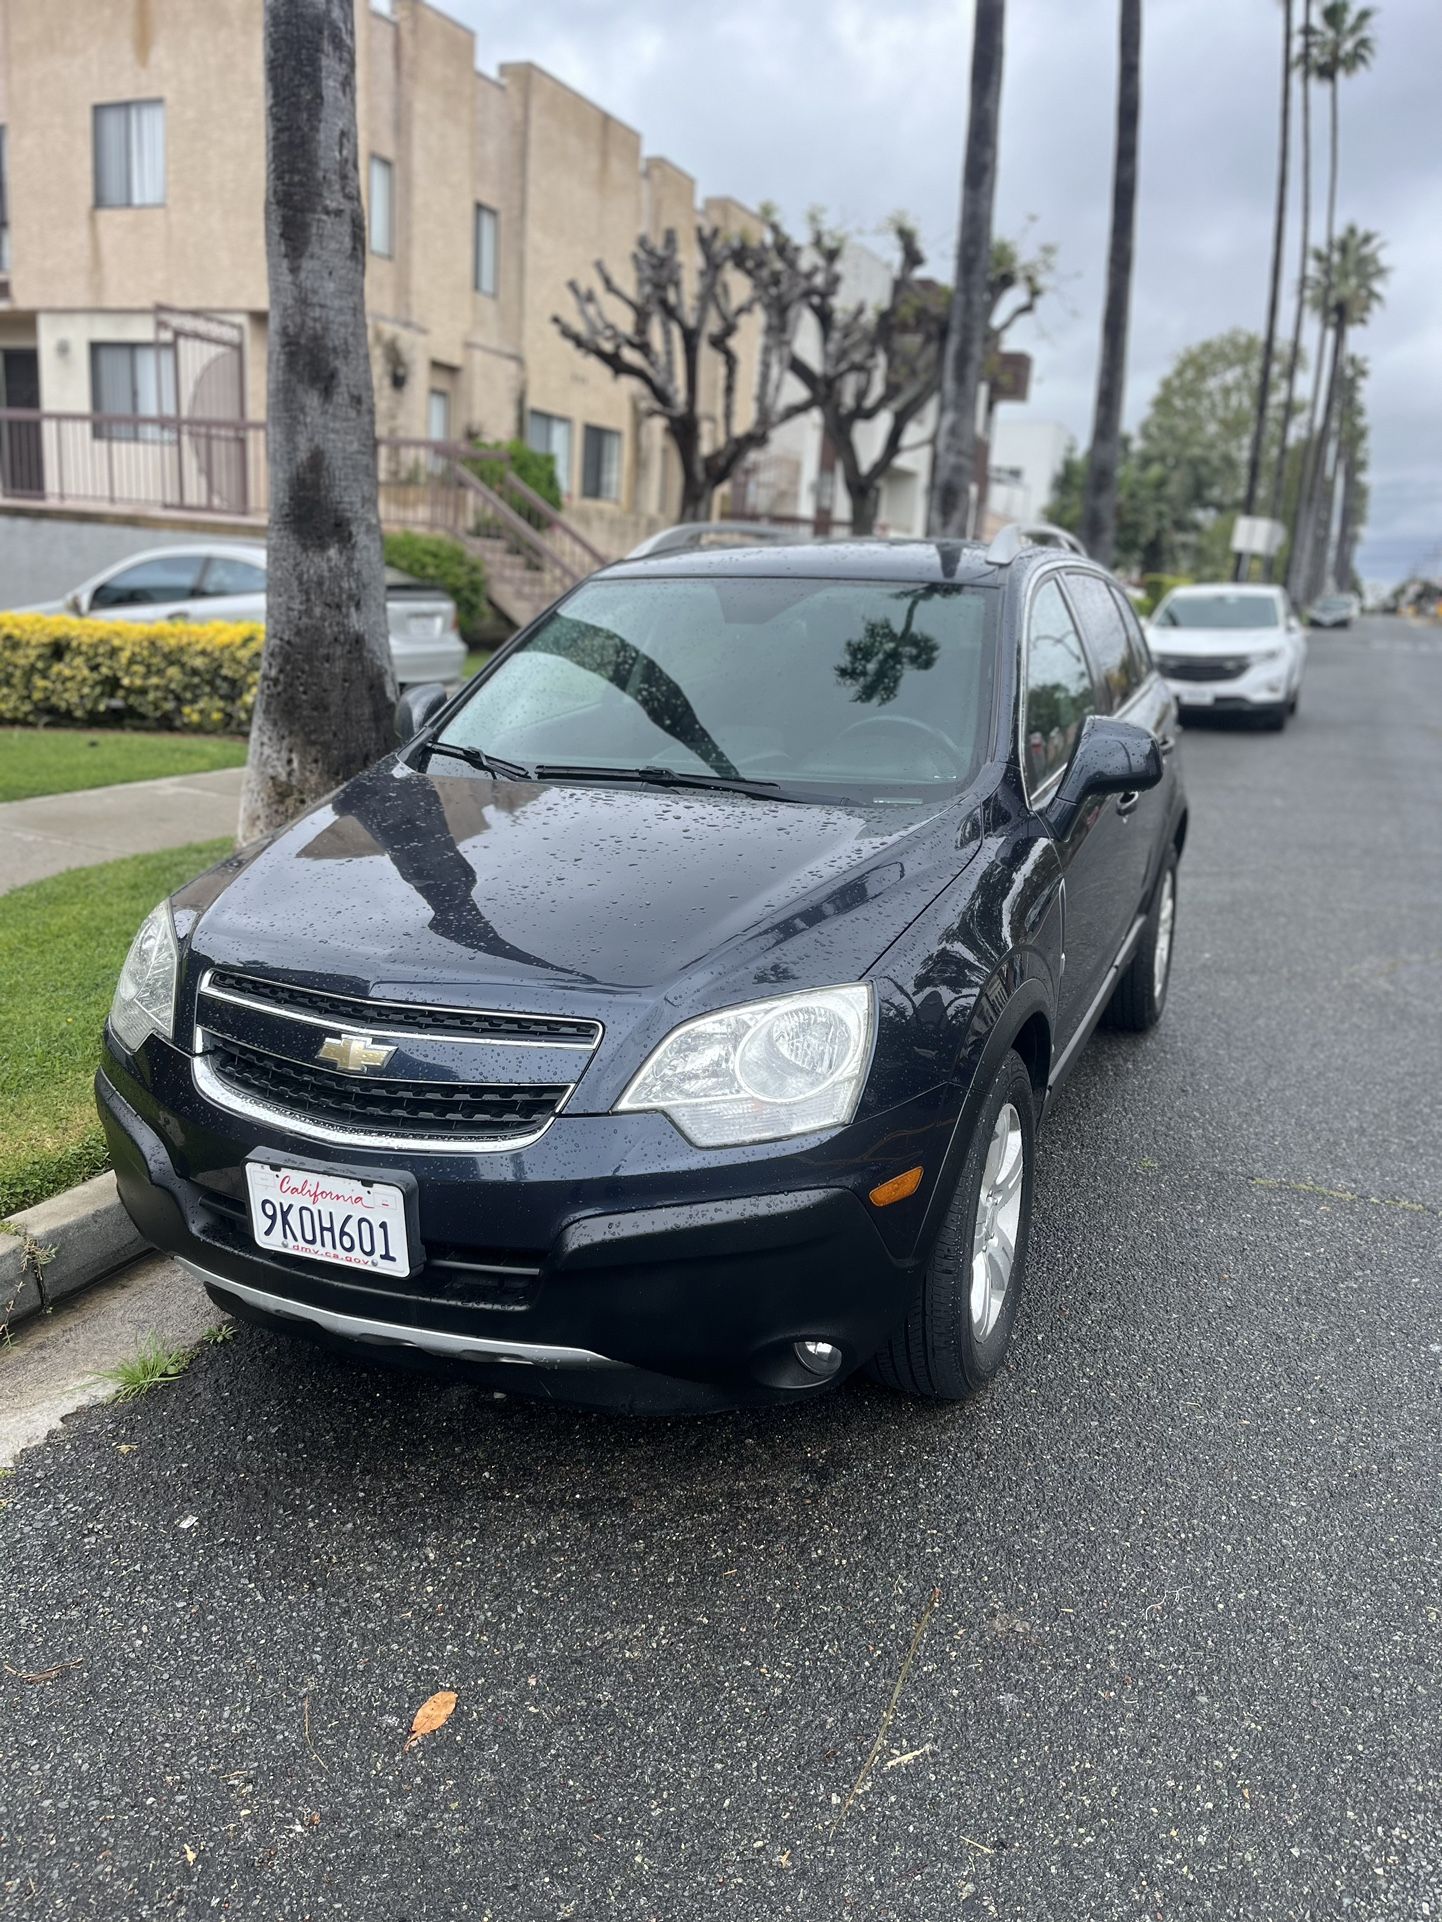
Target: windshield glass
(1219,610)
(804,684)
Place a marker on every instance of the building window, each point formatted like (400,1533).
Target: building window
(130,154)
(487,241)
(383,237)
(601,464)
(551,434)
(4,211)
(132,378)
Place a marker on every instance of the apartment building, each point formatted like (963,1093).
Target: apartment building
(132,248)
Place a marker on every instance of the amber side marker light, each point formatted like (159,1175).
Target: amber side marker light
(897,1189)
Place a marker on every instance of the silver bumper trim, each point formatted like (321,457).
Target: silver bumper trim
(431,1341)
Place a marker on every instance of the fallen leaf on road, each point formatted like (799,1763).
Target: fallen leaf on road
(432,1714)
(190,1854)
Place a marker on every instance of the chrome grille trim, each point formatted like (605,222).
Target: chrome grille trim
(279,1011)
(212,1088)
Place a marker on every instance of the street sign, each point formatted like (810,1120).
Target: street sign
(1254,534)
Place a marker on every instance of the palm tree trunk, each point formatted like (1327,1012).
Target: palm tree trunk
(1274,288)
(1279,478)
(954,462)
(1099,502)
(326,700)
(1319,524)
(1301,565)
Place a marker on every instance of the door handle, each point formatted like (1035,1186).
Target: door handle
(1127,801)
(1166,742)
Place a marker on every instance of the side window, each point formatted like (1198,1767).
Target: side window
(227,574)
(1106,637)
(1136,640)
(1060,692)
(170,577)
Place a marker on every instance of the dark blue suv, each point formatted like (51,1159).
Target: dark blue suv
(668,1022)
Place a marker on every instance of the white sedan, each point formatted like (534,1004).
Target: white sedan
(225,581)
(1231,649)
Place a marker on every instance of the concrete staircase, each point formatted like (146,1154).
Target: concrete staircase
(531,554)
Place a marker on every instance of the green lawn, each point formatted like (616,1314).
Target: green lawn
(62,942)
(475,661)
(57,760)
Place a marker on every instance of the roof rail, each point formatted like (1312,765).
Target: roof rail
(1016,535)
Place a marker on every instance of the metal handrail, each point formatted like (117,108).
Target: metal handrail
(516,524)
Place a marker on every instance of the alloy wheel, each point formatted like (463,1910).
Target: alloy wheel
(998,1217)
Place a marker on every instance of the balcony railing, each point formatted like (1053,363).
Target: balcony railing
(160,464)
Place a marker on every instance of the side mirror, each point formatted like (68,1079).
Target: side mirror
(416,706)
(1111,757)
(74,604)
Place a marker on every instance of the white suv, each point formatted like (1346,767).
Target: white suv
(1231,648)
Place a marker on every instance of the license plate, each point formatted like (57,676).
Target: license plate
(360,1224)
(425,626)
(1190,695)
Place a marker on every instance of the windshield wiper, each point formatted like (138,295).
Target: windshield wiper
(477,757)
(660,777)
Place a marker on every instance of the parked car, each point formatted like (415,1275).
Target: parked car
(1231,649)
(668,1022)
(1333,610)
(225,581)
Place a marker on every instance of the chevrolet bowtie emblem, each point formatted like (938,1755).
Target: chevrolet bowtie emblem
(353,1053)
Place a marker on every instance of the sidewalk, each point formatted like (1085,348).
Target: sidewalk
(53,832)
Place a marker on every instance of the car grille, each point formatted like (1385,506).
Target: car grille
(478,1111)
(1228,667)
(399,1016)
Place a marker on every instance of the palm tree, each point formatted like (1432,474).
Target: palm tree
(953,468)
(1099,504)
(326,698)
(1345,290)
(1294,355)
(1274,285)
(1334,50)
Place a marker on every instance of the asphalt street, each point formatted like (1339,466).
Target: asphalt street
(1185,1656)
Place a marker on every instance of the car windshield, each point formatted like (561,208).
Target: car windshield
(804,685)
(1219,610)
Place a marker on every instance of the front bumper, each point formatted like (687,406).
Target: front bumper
(608,1263)
(1266,686)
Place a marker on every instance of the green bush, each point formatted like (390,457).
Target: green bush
(538,471)
(1155,587)
(200,678)
(446,564)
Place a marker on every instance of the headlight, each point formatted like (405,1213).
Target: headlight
(1266,654)
(145,993)
(762,1071)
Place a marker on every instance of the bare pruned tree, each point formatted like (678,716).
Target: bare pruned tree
(666,329)
(870,365)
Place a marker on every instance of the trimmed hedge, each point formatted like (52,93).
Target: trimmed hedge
(444,563)
(198,678)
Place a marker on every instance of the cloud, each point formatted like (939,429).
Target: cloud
(861,109)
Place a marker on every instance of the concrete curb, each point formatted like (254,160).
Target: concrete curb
(53,1250)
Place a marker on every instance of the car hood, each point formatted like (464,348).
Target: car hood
(535,894)
(1213,643)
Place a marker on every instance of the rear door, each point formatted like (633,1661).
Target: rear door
(1130,691)
(232,589)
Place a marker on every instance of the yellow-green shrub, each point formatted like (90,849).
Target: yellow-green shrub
(197,677)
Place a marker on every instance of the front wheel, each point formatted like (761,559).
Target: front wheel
(1141,994)
(956,1335)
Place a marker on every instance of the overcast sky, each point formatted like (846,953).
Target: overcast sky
(859,106)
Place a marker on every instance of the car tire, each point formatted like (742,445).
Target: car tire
(1140,997)
(956,1335)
